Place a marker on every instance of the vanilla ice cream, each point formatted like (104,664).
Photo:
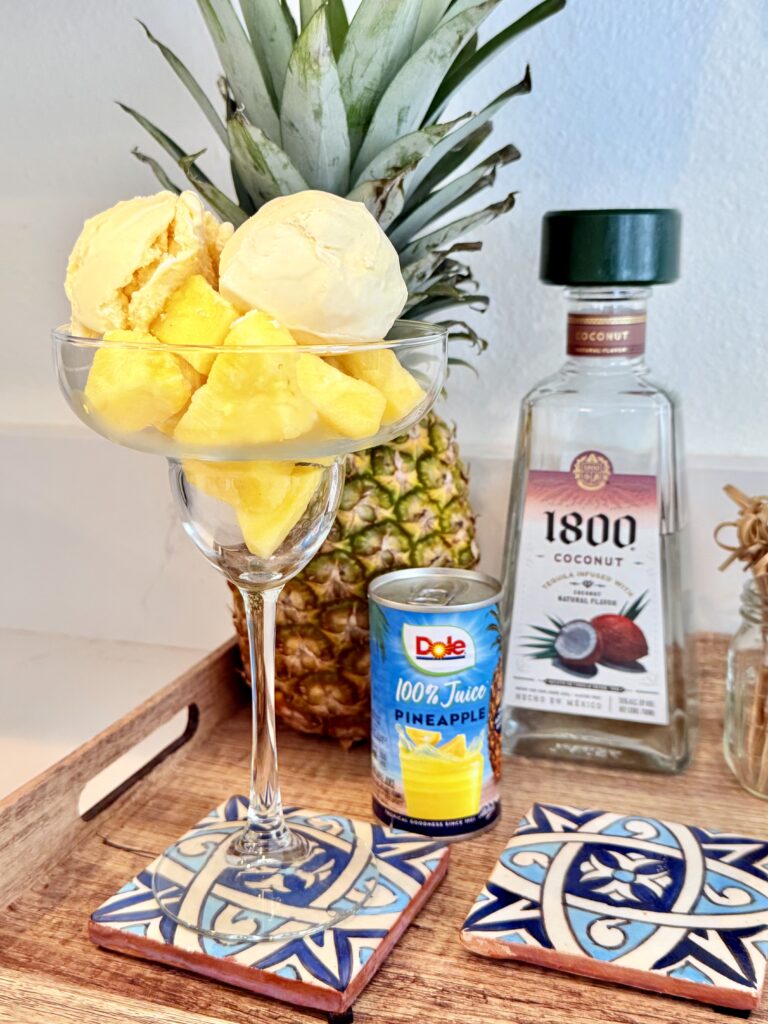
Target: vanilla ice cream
(319,264)
(130,258)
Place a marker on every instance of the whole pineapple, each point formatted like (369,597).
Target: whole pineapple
(355,107)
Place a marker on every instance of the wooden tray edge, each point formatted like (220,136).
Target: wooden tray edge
(40,821)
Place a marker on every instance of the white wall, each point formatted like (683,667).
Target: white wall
(656,102)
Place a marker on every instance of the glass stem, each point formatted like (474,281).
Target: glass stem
(266,825)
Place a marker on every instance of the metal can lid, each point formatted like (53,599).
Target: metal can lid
(433,590)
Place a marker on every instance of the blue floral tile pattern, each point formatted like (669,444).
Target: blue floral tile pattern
(686,904)
(329,960)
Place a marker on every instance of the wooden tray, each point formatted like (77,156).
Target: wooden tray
(55,868)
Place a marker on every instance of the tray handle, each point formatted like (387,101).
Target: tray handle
(95,809)
(40,821)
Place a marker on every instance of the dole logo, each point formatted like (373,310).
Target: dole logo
(448,648)
(438,650)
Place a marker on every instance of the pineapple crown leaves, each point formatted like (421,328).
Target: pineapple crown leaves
(355,107)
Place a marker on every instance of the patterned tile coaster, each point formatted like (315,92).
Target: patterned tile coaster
(653,904)
(325,971)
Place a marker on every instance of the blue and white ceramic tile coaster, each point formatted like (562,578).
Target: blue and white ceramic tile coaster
(326,971)
(653,904)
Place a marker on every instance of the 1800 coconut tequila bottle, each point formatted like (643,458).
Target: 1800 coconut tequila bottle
(595,666)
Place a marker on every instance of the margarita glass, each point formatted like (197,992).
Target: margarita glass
(262,878)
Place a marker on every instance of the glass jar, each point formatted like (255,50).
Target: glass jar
(745,741)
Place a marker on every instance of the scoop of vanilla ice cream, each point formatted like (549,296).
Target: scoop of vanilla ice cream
(319,264)
(130,258)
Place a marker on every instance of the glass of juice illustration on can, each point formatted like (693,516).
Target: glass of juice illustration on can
(436,683)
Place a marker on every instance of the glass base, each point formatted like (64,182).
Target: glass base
(235,885)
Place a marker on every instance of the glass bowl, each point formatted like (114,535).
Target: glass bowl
(150,397)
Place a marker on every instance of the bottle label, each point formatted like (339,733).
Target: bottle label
(591,334)
(587,634)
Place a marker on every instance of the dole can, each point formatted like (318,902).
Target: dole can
(436,687)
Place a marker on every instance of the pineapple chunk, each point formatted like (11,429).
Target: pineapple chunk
(239,374)
(259,330)
(168,427)
(131,390)
(269,417)
(252,485)
(268,497)
(195,314)
(381,369)
(457,747)
(349,406)
(264,530)
(250,397)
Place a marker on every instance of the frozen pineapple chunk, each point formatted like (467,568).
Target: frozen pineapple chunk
(195,314)
(239,373)
(268,497)
(168,427)
(250,397)
(381,369)
(257,329)
(269,416)
(253,485)
(264,530)
(129,389)
(349,406)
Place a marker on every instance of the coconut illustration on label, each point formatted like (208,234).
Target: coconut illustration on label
(614,640)
(578,644)
(622,639)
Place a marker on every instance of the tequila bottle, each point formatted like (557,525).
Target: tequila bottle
(595,654)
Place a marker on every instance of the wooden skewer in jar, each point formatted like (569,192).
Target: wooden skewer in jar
(751,549)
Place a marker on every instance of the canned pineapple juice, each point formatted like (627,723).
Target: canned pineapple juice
(436,685)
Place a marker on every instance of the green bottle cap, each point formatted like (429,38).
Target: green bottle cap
(610,247)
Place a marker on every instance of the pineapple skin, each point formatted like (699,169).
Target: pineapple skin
(405,504)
